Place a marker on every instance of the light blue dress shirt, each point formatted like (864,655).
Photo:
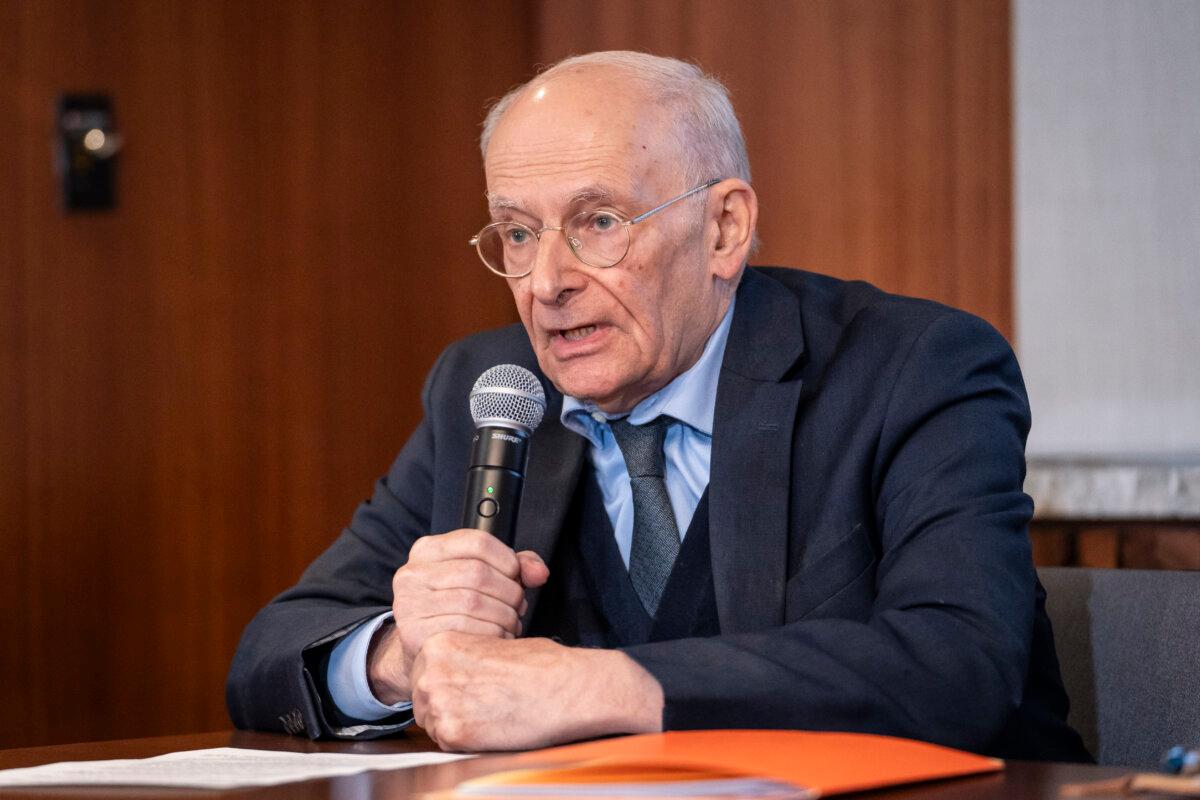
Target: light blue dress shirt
(690,398)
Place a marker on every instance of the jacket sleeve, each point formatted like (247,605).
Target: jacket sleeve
(942,652)
(277,679)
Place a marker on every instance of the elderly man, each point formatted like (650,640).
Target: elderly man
(760,498)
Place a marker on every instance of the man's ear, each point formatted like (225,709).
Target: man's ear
(733,206)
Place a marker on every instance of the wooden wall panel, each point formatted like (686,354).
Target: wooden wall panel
(198,387)
(878,130)
(1116,544)
(15,563)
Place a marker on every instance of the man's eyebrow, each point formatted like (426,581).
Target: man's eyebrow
(498,201)
(591,194)
(594,193)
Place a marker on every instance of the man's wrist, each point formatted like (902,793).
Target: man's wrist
(386,676)
(641,695)
(630,699)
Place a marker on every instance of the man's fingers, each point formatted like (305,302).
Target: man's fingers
(463,624)
(534,571)
(466,543)
(466,581)
(475,605)
(469,573)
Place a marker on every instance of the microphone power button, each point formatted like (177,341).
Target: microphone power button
(488,507)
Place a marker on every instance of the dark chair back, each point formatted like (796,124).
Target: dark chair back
(1128,644)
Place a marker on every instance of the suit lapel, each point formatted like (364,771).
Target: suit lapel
(750,478)
(555,463)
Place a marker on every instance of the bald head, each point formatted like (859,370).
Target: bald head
(697,116)
(591,126)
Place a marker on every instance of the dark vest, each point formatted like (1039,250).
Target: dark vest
(589,599)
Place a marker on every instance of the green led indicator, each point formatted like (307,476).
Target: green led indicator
(491,490)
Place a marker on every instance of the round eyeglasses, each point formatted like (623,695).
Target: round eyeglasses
(598,238)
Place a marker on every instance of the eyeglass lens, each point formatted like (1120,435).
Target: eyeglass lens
(597,238)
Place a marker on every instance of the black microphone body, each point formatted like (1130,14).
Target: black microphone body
(507,403)
(494,481)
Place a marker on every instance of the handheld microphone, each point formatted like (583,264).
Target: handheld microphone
(507,403)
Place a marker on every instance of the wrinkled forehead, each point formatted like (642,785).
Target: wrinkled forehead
(577,133)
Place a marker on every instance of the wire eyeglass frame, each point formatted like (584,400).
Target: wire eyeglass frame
(573,244)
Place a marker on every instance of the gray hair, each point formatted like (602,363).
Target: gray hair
(706,126)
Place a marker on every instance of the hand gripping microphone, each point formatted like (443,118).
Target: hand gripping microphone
(507,403)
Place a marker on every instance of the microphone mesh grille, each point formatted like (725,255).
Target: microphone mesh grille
(509,396)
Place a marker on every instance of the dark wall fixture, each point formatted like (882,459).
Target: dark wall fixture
(87,150)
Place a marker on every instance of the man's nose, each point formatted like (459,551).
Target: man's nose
(556,271)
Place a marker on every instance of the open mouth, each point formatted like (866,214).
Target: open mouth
(575,334)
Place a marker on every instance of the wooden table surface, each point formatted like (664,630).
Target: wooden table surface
(1020,780)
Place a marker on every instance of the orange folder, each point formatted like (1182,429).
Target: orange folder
(814,764)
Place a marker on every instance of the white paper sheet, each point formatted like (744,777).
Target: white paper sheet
(215,768)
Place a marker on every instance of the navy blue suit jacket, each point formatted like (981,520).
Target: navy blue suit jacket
(870,556)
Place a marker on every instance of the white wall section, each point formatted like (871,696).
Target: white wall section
(1107,228)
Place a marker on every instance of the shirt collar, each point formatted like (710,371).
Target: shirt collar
(690,397)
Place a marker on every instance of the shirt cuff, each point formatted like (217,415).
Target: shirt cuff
(347,675)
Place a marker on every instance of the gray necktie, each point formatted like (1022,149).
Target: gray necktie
(655,532)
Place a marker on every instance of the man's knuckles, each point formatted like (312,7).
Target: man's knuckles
(441,713)
(418,578)
(477,605)
(421,549)
(473,543)
(455,734)
(461,543)
(413,578)
(473,573)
